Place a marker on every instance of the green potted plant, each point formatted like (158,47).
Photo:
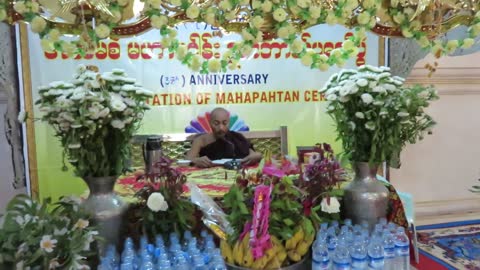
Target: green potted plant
(45,235)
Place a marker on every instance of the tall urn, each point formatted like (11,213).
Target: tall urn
(366,198)
(106,207)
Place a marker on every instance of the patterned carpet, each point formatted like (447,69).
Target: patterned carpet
(454,245)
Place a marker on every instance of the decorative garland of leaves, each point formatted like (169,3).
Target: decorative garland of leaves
(284,18)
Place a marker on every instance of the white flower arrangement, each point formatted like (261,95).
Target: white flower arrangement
(375,114)
(95,117)
(46,236)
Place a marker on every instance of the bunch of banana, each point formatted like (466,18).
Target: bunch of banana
(300,243)
(227,251)
(273,257)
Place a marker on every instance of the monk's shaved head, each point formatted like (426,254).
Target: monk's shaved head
(219,122)
(217,111)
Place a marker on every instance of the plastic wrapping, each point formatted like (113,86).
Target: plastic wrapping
(213,216)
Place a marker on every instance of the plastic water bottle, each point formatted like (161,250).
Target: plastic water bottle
(164,265)
(389,250)
(358,252)
(199,263)
(383,222)
(181,263)
(331,240)
(402,250)
(320,257)
(348,222)
(341,257)
(376,253)
(334,224)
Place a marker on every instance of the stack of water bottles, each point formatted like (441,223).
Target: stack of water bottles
(190,253)
(354,247)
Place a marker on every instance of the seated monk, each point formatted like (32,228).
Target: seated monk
(221,143)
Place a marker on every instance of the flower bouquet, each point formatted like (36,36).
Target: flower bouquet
(163,209)
(375,114)
(95,117)
(272,220)
(46,236)
(321,181)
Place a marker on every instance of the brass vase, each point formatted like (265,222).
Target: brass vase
(106,207)
(366,198)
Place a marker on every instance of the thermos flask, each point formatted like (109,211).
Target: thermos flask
(152,152)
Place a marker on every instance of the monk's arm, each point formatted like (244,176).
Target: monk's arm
(194,153)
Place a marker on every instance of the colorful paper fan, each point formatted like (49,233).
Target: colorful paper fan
(201,124)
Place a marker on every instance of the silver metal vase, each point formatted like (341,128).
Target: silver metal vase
(106,207)
(366,198)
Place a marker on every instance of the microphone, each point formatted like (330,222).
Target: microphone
(232,146)
(233,164)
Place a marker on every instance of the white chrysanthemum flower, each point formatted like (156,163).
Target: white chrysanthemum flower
(102,31)
(344,99)
(196,63)
(362,82)
(297,46)
(331,97)
(156,202)
(468,42)
(246,50)
(257,21)
(364,18)
(193,11)
(74,146)
(103,113)
(354,89)
(158,21)
(283,32)
(379,89)
(378,103)
(19,220)
(225,5)
(155,3)
(279,15)
(182,52)
(47,45)
(144,92)
(47,243)
(118,124)
(370,125)
(266,6)
(307,59)
(360,115)
(330,206)
(20,7)
(63,231)
(116,102)
(81,224)
(367,98)
(214,65)
(315,11)
(128,87)
(344,91)
(389,87)
(247,35)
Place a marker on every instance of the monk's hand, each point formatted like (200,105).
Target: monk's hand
(202,162)
(251,159)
